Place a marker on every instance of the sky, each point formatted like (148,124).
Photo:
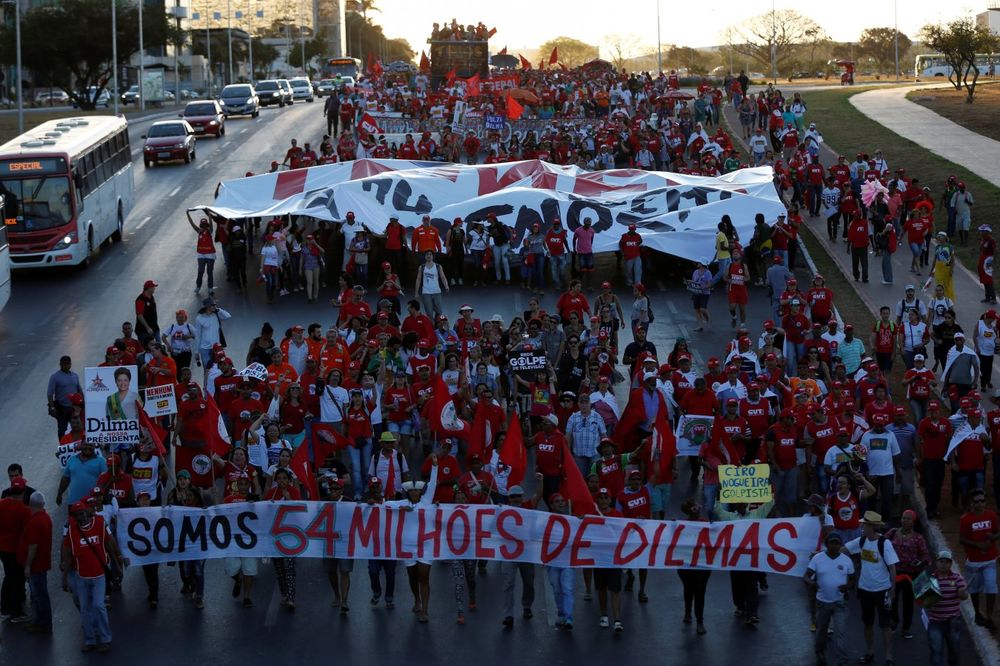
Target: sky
(524,24)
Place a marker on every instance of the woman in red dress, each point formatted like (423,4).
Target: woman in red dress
(737,278)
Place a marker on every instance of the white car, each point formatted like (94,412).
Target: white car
(301,89)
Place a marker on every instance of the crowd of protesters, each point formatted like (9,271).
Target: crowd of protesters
(802,392)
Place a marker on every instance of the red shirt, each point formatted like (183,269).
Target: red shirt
(631,244)
(14,516)
(784,446)
(572,302)
(920,387)
(276,494)
(192,414)
(549,452)
(225,391)
(970,454)
(419,324)
(885,337)
(448,473)
(87,544)
(820,302)
(857,233)
(556,243)
(477,487)
(37,532)
(702,404)
(757,415)
(823,434)
(611,473)
(120,487)
(635,504)
(796,326)
(979,528)
(934,436)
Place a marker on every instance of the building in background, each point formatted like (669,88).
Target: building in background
(991,17)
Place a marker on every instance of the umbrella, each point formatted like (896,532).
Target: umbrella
(523,95)
(675,95)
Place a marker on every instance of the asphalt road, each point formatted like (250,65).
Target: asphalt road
(80,312)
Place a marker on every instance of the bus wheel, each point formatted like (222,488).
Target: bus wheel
(90,249)
(116,237)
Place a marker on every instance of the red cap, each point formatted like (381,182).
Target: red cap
(605,285)
(732,401)
(386,266)
(373,344)
(850,404)
(713,362)
(603,379)
(298,327)
(424,342)
(192,385)
(812,409)
(900,410)
(665,368)
(770,356)
(768,324)
(732,368)
(880,418)
(787,413)
(385,315)
(111,350)
(842,431)
(933,404)
(18,483)
(848,327)
(149,283)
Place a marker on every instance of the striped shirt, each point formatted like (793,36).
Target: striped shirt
(587,432)
(850,353)
(949,605)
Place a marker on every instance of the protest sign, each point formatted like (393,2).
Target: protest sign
(494,121)
(745,484)
(527,361)
(349,530)
(692,431)
(160,400)
(255,371)
(111,404)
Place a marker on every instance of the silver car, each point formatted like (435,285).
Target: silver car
(239,99)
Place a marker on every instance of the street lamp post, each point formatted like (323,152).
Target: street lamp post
(302,34)
(774,46)
(659,48)
(208,47)
(142,54)
(17,64)
(229,37)
(114,54)
(895,35)
(250,38)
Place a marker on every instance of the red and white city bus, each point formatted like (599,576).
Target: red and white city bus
(67,187)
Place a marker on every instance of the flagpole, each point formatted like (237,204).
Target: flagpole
(659,49)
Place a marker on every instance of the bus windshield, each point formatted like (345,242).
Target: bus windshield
(36,204)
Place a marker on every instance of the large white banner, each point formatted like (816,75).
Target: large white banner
(487,532)
(673,213)
(111,404)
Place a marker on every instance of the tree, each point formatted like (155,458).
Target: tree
(959,42)
(313,47)
(688,58)
(572,52)
(399,49)
(69,44)
(776,31)
(264,56)
(620,48)
(880,44)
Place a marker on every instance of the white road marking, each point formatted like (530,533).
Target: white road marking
(142,223)
(672,308)
(174,192)
(203,164)
(271,616)
(660,285)
(243,130)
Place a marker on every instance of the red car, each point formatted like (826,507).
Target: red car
(206,117)
(168,140)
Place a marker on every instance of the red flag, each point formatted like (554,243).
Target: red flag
(377,68)
(472,86)
(541,64)
(574,488)
(216,435)
(492,32)
(513,454)
(425,63)
(303,470)
(155,432)
(481,434)
(370,62)
(524,62)
(326,441)
(368,124)
(554,56)
(451,76)
(514,108)
(503,51)
(562,67)
(444,416)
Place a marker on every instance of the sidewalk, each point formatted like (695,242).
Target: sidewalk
(889,107)
(968,291)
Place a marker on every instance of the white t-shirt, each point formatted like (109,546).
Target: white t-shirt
(882,446)
(831,573)
(269,254)
(874,573)
(986,337)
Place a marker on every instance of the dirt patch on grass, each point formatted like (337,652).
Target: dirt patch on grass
(982,116)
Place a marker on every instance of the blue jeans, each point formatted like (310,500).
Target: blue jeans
(361,453)
(561,579)
(39,586)
(206,265)
(886,266)
(271,283)
(794,351)
(557,266)
(193,572)
(723,270)
(93,614)
(500,260)
(633,271)
(942,634)
(786,488)
(538,272)
(710,493)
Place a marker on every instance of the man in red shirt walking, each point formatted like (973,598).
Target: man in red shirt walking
(35,554)
(14,516)
(979,530)
(858,240)
(631,248)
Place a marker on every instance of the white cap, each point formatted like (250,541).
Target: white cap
(648,375)
(919,357)
(552,418)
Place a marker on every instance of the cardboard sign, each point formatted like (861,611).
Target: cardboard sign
(745,484)
(160,401)
(527,361)
(693,430)
(255,371)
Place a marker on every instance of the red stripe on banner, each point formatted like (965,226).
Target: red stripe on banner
(366,168)
(289,183)
(593,183)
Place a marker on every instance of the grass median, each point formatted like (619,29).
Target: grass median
(848,131)
(982,116)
